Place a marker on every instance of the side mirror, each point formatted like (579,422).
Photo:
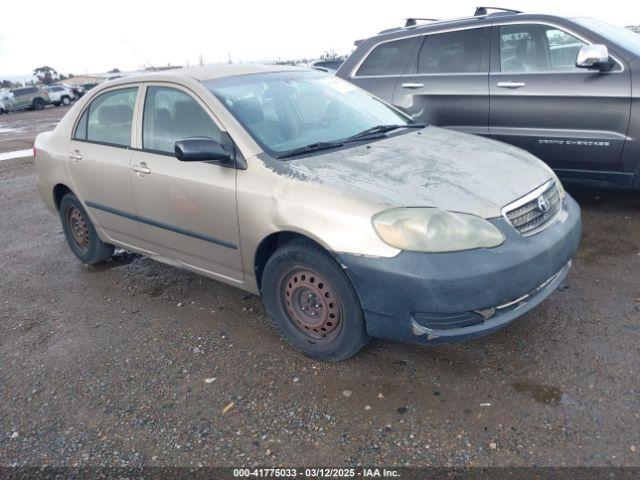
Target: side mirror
(203,149)
(593,56)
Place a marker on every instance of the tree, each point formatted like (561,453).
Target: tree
(114,70)
(46,74)
(6,84)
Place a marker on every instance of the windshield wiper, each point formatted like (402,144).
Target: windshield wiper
(380,129)
(312,147)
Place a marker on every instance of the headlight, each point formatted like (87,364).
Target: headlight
(434,230)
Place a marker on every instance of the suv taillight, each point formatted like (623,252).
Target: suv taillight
(34,151)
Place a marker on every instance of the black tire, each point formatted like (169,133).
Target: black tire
(81,234)
(57,104)
(305,261)
(38,104)
(66,101)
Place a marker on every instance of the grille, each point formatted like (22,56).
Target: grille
(526,215)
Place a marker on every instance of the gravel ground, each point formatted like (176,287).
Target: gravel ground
(137,363)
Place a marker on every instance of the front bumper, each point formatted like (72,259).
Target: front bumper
(449,297)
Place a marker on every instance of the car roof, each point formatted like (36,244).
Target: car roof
(207,72)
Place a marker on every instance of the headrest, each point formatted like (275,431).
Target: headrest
(115,114)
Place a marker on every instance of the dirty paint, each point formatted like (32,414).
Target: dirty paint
(433,167)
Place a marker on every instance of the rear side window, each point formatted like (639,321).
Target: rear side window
(453,52)
(110,116)
(171,115)
(390,58)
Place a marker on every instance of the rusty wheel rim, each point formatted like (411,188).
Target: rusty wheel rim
(312,305)
(78,228)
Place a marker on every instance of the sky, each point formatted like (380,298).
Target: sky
(91,36)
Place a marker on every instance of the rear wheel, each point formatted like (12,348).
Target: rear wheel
(38,104)
(313,303)
(80,232)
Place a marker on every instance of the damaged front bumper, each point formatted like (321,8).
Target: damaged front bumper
(450,297)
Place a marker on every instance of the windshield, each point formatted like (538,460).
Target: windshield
(622,36)
(284,111)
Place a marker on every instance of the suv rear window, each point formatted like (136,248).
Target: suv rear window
(390,58)
(452,52)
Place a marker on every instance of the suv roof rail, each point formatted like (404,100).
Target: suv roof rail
(483,11)
(412,22)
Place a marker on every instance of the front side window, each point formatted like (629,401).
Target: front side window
(110,116)
(390,58)
(171,115)
(537,48)
(288,110)
(452,52)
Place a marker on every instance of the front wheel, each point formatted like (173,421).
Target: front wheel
(38,104)
(81,234)
(312,302)
(66,101)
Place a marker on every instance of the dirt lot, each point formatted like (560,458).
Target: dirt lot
(137,363)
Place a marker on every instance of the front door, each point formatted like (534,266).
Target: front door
(187,210)
(447,82)
(99,163)
(571,118)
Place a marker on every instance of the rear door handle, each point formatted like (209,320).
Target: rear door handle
(412,85)
(511,84)
(142,168)
(75,156)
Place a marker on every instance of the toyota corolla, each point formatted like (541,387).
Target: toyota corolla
(348,218)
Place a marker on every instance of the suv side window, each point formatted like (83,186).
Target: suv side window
(537,48)
(171,115)
(109,117)
(390,58)
(453,52)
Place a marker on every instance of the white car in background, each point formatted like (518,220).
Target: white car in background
(60,95)
(6,101)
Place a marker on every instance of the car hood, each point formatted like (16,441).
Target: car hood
(432,167)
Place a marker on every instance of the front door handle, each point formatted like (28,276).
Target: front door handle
(142,168)
(412,85)
(75,156)
(511,84)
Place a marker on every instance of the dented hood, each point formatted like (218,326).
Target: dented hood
(430,168)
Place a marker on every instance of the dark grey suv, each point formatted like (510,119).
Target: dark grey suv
(565,89)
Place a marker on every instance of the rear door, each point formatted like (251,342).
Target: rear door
(447,83)
(572,118)
(382,68)
(187,210)
(99,160)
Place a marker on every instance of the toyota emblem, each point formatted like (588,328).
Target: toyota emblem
(543,204)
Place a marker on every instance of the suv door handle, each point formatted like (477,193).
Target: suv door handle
(510,84)
(412,85)
(75,156)
(142,168)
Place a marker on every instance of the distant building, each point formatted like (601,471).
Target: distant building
(81,79)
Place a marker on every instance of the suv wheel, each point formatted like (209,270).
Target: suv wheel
(66,101)
(312,302)
(38,104)
(80,232)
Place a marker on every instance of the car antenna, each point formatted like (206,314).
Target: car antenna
(138,54)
